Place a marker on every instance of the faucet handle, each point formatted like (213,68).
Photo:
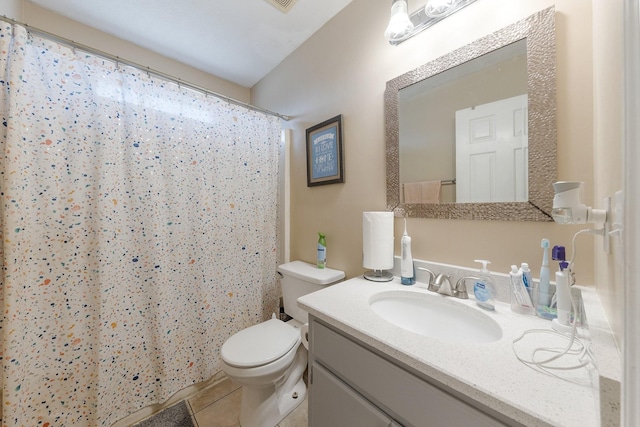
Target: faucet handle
(432,277)
(460,290)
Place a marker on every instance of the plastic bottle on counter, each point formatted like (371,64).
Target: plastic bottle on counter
(520,300)
(483,288)
(529,284)
(322,251)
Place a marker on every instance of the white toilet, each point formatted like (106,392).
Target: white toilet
(267,359)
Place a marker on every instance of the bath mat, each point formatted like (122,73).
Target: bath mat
(177,415)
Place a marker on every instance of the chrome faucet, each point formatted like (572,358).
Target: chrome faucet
(461,287)
(442,285)
(432,277)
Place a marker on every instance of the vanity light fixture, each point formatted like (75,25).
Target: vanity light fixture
(438,8)
(399,24)
(403,26)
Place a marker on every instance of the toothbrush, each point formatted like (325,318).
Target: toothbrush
(543,288)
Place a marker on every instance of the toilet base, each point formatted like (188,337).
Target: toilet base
(261,407)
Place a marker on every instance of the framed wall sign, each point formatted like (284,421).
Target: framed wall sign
(325,162)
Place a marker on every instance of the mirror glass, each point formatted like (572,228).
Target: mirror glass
(471,118)
(472,134)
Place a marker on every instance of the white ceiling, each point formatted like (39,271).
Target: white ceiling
(237,40)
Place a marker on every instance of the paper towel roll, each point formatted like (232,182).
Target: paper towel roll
(304,333)
(377,240)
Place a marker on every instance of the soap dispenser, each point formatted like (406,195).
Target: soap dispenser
(407,271)
(483,288)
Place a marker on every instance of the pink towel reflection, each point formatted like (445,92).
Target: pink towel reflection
(422,192)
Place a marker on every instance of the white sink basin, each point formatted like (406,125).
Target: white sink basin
(435,316)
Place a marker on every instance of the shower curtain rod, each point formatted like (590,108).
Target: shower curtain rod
(118,60)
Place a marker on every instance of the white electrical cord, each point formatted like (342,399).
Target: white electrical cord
(573,255)
(581,350)
(573,244)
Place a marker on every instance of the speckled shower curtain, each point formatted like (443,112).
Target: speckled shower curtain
(138,233)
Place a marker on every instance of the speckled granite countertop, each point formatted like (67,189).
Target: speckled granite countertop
(488,373)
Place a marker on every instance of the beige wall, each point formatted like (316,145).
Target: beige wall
(343,69)
(28,13)
(11,9)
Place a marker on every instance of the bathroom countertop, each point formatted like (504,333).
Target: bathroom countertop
(487,373)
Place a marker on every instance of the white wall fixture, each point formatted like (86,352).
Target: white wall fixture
(617,225)
(403,26)
(568,209)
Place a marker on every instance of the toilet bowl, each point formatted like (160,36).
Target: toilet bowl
(269,359)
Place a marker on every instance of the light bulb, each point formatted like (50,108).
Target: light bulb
(439,8)
(399,24)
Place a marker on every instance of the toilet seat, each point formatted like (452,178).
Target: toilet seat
(259,344)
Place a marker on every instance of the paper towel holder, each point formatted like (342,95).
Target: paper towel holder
(378,275)
(377,245)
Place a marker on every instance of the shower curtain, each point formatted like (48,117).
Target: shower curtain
(138,233)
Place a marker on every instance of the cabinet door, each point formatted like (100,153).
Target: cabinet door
(399,393)
(334,404)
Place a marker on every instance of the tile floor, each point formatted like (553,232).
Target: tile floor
(219,406)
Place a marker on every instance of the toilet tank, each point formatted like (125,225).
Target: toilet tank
(300,278)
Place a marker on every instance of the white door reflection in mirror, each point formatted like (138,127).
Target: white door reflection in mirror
(492,152)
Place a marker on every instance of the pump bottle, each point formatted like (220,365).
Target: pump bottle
(484,289)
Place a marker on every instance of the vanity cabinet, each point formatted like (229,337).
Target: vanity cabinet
(350,385)
(338,404)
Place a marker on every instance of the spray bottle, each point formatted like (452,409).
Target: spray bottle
(322,251)
(407,271)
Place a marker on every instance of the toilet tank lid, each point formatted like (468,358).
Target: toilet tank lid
(311,273)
